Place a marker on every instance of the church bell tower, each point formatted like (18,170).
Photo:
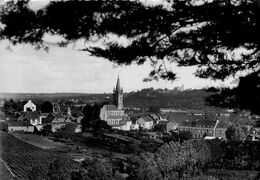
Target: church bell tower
(118,95)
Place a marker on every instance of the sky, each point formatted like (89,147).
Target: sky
(66,69)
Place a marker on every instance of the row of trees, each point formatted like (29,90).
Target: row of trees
(176,161)
(11,106)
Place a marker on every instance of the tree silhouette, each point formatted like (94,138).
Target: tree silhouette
(220,37)
(46,107)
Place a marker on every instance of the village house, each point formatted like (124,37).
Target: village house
(171,126)
(157,118)
(145,122)
(33,117)
(29,106)
(166,126)
(124,125)
(19,126)
(134,126)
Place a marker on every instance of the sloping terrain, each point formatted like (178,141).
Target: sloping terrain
(23,158)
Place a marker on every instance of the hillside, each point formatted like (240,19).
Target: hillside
(163,98)
(186,99)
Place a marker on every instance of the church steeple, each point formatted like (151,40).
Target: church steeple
(118,84)
(118,95)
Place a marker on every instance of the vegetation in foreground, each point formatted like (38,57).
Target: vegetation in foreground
(193,159)
(30,162)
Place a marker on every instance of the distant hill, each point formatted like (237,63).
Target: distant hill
(178,99)
(163,98)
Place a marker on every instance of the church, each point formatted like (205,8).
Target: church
(114,113)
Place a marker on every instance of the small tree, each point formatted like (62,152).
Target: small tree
(46,107)
(46,130)
(235,133)
(100,126)
(185,136)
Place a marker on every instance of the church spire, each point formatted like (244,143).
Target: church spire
(118,84)
(118,95)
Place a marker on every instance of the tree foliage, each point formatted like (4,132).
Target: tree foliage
(91,116)
(235,133)
(187,32)
(220,37)
(46,107)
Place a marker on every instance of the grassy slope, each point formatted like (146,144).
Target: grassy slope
(22,157)
(39,141)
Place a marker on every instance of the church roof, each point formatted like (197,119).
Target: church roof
(115,117)
(110,107)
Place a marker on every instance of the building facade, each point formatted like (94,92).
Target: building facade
(29,106)
(114,113)
(202,128)
(145,122)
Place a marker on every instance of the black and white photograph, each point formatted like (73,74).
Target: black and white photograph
(130,90)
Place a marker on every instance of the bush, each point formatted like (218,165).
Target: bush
(97,169)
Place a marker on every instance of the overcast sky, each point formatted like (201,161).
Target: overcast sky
(24,69)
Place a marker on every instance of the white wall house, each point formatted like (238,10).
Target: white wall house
(145,122)
(29,106)
(36,121)
(124,125)
(134,126)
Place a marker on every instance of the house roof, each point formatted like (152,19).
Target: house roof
(123,122)
(146,118)
(199,123)
(178,117)
(223,124)
(204,123)
(29,115)
(48,119)
(18,123)
(29,103)
(155,116)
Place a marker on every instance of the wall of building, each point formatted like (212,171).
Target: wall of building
(21,128)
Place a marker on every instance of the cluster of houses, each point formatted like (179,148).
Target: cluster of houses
(114,114)
(32,120)
(115,117)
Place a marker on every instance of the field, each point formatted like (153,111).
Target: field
(40,141)
(4,173)
(22,157)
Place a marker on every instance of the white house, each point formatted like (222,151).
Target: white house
(29,106)
(145,122)
(134,126)
(124,125)
(14,126)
